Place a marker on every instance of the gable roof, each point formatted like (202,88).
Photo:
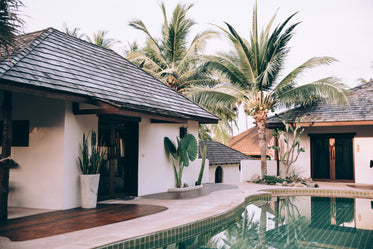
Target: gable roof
(50,61)
(218,153)
(247,142)
(359,111)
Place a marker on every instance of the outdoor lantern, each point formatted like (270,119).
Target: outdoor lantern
(183,131)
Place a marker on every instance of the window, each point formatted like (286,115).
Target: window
(20,133)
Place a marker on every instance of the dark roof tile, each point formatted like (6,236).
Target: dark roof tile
(218,153)
(54,60)
(359,108)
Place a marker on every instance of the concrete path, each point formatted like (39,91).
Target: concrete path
(179,212)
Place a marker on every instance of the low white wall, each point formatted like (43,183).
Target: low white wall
(363,152)
(251,167)
(156,173)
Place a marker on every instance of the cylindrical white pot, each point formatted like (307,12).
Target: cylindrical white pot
(89,189)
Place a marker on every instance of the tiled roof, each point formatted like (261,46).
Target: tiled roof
(247,142)
(218,153)
(50,59)
(360,108)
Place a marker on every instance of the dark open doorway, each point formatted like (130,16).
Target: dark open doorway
(119,175)
(219,175)
(332,157)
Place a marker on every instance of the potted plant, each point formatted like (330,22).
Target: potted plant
(186,150)
(90,161)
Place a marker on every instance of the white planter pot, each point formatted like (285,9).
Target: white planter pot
(89,189)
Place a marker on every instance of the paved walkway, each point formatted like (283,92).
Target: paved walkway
(180,211)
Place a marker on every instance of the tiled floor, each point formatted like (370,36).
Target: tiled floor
(179,212)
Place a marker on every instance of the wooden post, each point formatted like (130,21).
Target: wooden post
(6,151)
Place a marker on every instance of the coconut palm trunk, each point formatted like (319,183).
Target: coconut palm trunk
(6,151)
(260,120)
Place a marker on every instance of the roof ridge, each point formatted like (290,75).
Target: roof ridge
(12,61)
(228,147)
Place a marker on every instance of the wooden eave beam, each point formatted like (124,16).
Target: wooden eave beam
(108,109)
(42,92)
(326,124)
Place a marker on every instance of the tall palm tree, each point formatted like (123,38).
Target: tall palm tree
(10,24)
(169,58)
(100,39)
(174,61)
(254,66)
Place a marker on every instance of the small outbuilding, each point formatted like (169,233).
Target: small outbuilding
(224,162)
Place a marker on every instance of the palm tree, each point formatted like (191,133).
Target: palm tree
(174,61)
(169,58)
(254,66)
(10,24)
(73,31)
(99,38)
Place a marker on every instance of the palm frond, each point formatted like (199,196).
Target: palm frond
(289,80)
(198,45)
(328,89)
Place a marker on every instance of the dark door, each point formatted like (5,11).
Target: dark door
(119,174)
(332,157)
(219,175)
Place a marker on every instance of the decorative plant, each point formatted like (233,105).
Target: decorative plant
(198,182)
(186,150)
(292,135)
(91,160)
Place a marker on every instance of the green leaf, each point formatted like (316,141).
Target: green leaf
(190,145)
(169,147)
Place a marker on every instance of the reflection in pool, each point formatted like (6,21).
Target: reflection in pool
(296,222)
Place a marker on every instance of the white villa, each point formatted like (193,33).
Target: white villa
(63,87)
(338,139)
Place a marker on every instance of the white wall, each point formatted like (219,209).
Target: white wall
(251,167)
(363,153)
(156,173)
(38,182)
(231,173)
(75,126)
(364,134)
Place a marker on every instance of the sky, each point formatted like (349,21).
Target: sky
(338,28)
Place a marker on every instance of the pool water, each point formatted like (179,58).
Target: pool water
(295,222)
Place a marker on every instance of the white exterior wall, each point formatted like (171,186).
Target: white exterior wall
(75,126)
(38,182)
(156,172)
(364,136)
(363,153)
(48,173)
(231,173)
(251,167)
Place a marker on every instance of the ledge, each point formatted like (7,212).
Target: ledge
(185,189)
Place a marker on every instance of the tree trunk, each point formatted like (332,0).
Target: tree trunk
(260,120)
(6,150)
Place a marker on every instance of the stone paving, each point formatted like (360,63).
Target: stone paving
(180,211)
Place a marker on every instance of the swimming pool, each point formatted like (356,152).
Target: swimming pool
(301,222)
(277,222)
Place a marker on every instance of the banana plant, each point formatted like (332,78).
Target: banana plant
(185,151)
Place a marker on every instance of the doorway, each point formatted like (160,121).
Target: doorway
(219,175)
(119,174)
(332,157)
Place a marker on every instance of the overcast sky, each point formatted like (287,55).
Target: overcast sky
(339,28)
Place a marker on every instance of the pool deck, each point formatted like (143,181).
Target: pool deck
(179,212)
